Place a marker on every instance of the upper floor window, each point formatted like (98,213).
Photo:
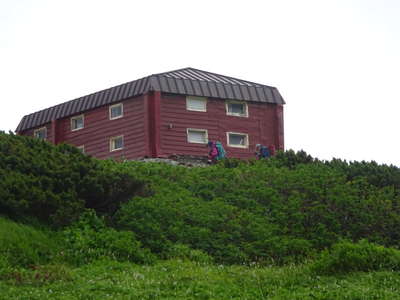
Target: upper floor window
(40,133)
(196,103)
(116,111)
(238,140)
(77,122)
(199,136)
(116,143)
(237,108)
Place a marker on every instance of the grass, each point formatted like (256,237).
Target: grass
(176,279)
(24,245)
(31,267)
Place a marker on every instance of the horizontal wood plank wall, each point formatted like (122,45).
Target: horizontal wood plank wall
(264,125)
(98,129)
(261,126)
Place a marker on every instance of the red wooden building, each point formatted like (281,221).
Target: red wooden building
(172,113)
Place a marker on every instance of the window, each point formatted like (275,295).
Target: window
(198,136)
(40,133)
(196,103)
(239,140)
(116,143)
(116,111)
(81,148)
(77,123)
(236,108)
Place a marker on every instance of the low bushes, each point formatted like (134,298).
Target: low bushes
(55,183)
(345,257)
(40,250)
(183,252)
(281,210)
(89,239)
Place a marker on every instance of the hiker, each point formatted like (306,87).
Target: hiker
(262,151)
(212,153)
(221,151)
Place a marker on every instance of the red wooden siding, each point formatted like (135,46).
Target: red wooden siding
(98,129)
(153,105)
(260,125)
(279,130)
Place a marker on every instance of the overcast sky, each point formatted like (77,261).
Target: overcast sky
(336,63)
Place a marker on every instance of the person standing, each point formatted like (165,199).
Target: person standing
(262,151)
(212,152)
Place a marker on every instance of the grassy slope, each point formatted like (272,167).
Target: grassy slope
(172,279)
(187,280)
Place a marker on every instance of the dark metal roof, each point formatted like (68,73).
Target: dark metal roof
(186,81)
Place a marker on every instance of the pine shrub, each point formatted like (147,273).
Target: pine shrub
(346,257)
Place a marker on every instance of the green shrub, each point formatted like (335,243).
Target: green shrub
(55,183)
(280,210)
(375,174)
(284,209)
(291,159)
(89,239)
(184,252)
(345,257)
(214,227)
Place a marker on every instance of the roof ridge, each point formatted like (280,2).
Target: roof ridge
(181,69)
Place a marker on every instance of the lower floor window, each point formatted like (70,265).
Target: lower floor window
(81,148)
(239,140)
(198,136)
(116,143)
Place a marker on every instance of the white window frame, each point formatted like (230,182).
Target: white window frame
(115,105)
(40,129)
(237,146)
(188,98)
(197,130)
(82,148)
(246,114)
(112,149)
(77,117)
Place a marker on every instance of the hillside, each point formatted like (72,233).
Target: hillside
(289,214)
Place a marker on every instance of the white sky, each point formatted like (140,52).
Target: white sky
(336,63)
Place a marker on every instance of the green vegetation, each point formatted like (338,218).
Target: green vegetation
(89,239)
(290,227)
(176,279)
(55,183)
(23,245)
(346,257)
(282,210)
